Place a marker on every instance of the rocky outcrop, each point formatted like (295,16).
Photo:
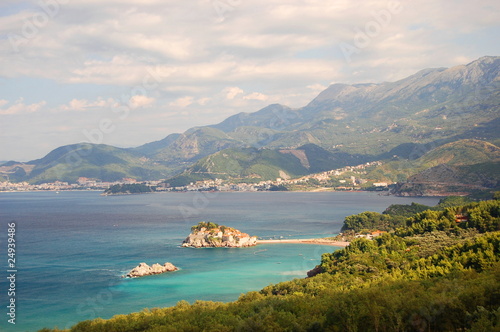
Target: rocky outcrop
(317,270)
(210,235)
(144,269)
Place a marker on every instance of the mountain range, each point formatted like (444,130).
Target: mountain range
(344,125)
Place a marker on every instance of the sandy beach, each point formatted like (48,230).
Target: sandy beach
(325,242)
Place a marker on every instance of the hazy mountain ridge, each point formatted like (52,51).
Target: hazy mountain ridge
(384,115)
(359,122)
(155,147)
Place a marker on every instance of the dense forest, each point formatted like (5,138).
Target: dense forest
(437,269)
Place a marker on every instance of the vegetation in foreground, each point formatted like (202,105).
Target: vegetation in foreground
(440,271)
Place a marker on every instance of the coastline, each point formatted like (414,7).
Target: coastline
(242,271)
(325,242)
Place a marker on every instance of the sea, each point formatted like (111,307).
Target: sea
(72,248)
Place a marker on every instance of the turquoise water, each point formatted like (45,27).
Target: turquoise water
(73,248)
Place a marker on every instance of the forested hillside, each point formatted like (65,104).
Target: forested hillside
(438,271)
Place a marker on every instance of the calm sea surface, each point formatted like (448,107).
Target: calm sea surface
(73,248)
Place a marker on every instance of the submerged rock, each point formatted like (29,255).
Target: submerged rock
(144,269)
(210,235)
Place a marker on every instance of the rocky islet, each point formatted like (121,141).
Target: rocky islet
(144,269)
(211,235)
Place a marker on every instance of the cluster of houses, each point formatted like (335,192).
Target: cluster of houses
(349,178)
(82,184)
(346,180)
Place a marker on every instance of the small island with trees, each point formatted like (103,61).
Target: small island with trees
(128,189)
(212,235)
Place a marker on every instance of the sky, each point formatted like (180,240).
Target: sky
(129,72)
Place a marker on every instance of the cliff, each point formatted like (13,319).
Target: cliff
(144,269)
(210,235)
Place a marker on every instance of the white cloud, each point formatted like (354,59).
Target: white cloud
(203,101)
(232,92)
(19,107)
(256,96)
(182,102)
(139,101)
(188,55)
(75,105)
(317,87)
(85,105)
(80,105)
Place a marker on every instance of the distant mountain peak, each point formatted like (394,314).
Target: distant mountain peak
(431,107)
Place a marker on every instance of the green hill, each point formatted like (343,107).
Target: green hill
(462,152)
(432,275)
(443,179)
(195,144)
(103,162)
(461,166)
(127,189)
(248,164)
(464,166)
(253,165)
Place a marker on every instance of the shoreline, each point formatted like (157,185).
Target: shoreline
(307,241)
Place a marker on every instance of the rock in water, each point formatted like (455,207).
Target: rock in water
(210,235)
(144,269)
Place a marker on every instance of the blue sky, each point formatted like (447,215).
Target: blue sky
(137,70)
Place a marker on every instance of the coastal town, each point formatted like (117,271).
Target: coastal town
(82,184)
(346,178)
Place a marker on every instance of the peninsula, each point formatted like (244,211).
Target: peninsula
(212,235)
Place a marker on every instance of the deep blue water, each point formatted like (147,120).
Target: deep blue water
(73,248)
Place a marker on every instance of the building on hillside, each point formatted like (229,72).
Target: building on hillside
(461,217)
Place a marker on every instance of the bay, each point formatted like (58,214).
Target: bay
(72,248)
